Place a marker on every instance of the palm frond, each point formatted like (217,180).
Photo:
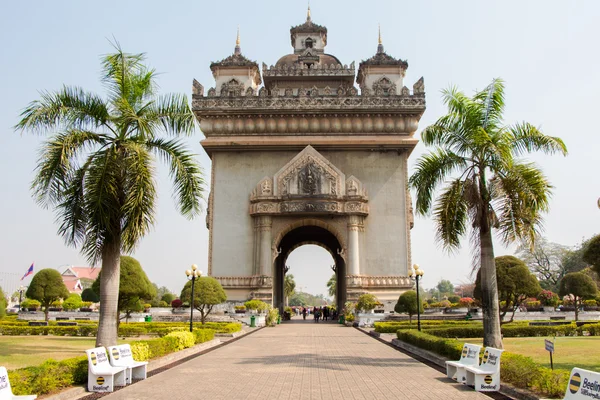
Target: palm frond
(522,195)
(491,100)
(450,214)
(103,202)
(140,195)
(174,113)
(69,108)
(57,160)
(526,138)
(185,172)
(71,212)
(431,170)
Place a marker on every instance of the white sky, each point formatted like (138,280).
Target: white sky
(546,51)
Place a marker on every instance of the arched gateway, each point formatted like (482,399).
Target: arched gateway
(306,159)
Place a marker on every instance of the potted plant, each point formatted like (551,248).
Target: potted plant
(366,303)
(31,305)
(240,309)
(147,307)
(549,300)
(258,306)
(86,306)
(56,305)
(533,305)
(590,305)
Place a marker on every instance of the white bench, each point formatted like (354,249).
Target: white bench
(469,357)
(5,389)
(103,377)
(583,384)
(486,377)
(120,356)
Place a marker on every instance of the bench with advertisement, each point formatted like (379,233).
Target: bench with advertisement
(485,377)
(5,389)
(103,377)
(583,384)
(469,357)
(121,356)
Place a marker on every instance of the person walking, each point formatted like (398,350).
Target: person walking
(304,313)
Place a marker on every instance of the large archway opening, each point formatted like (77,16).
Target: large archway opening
(303,235)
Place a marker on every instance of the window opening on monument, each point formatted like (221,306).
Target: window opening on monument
(308,43)
(310,268)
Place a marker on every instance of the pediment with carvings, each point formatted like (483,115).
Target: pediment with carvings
(309,184)
(309,174)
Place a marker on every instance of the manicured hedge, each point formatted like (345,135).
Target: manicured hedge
(55,375)
(518,331)
(127,330)
(518,370)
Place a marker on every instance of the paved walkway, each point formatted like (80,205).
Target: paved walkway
(300,361)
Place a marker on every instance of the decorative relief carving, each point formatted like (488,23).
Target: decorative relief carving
(309,206)
(419,86)
(383,281)
(212,92)
(309,179)
(405,91)
(232,282)
(309,173)
(232,88)
(354,187)
(197,88)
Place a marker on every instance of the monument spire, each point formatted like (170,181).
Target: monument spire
(379,42)
(308,18)
(238,49)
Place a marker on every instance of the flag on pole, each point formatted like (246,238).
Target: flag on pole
(29,272)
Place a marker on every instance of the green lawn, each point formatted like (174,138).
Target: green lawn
(25,351)
(569,352)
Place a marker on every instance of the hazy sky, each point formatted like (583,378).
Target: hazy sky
(546,51)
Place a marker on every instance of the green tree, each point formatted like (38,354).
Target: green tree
(580,286)
(97,168)
(88,294)
(591,253)
(297,299)
(207,293)
(2,304)
(289,286)
(47,286)
(476,157)
(167,298)
(445,287)
(134,286)
(515,284)
(407,303)
(73,302)
(332,286)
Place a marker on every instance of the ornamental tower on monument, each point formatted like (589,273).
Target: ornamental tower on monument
(300,155)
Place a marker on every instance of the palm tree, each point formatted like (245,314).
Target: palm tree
(289,286)
(97,168)
(332,285)
(486,185)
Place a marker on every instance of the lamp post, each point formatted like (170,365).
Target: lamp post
(192,274)
(418,273)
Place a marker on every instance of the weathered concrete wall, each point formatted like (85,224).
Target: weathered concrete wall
(384,242)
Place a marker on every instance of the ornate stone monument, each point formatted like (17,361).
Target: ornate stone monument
(307,159)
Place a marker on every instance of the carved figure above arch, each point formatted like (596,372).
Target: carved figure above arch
(232,88)
(309,173)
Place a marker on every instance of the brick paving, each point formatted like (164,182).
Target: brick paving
(300,361)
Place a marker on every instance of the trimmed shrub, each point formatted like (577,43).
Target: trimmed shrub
(48,377)
(180,340)
(203,335)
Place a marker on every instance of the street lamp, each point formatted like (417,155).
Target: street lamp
(418,273)
(192,274)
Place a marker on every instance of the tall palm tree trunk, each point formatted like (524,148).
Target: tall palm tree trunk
(492,335)
(109,295)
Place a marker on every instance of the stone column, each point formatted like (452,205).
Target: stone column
(354,226)
(264,253)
